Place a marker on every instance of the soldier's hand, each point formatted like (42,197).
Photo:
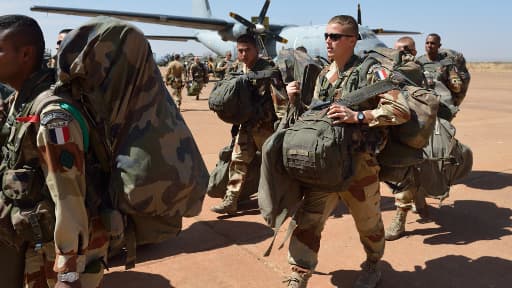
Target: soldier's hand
(62,284)
(293,90)
(341,114)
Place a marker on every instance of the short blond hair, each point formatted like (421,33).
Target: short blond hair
(346,20)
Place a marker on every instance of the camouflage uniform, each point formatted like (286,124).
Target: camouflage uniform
(252,135)
(199,75)
(173,77)
(224,66)
(43,172)
(436,72)
(362,196)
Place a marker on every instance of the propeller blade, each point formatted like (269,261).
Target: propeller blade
(382,31)
(263,12)
(276,37)
(359,21)
(242,20)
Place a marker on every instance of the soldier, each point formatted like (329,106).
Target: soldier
(61,246)
(173,78)
(252,134)
(60,37)
(363,195)
(224,66)
(406,43)
(409,199)
(434,67)
(198,74)
(440,75)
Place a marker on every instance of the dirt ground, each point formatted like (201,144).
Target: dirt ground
(468,243)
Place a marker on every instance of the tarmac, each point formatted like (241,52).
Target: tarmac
(467,243)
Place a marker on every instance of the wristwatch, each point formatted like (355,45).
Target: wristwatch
(68,277)
(360,117)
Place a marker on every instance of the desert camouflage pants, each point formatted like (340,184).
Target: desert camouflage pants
(247,142)
(362,199)
(39,264)
(176,95)
(409,197)
(177,87)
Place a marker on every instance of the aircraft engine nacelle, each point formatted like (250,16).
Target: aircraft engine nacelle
(234,32)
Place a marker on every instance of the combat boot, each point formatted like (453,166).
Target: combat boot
(229,204)
(299,277)
(397,227)
(370,275)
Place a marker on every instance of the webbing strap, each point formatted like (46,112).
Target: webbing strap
(360,95)
(131,245)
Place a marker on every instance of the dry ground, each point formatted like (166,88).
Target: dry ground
(468,243)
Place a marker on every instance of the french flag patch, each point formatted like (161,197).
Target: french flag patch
(381,74)
(59,135)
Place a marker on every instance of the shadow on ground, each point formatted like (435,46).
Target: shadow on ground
(465,222)
(132,279)
(447,271)
(202,236)
(487,180)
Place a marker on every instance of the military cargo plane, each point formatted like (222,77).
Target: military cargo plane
(218,34)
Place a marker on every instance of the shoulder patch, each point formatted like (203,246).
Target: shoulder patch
(59,116)
(59,135)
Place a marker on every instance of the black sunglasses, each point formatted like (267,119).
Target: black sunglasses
(336,36)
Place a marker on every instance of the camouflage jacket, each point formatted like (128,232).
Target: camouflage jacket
(43,173)
(441,70)
(174,71)
(199,73)
(389,108)
(272,90)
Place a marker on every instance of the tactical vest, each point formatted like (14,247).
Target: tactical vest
(23,184)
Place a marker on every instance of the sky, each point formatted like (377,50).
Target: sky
(478,29)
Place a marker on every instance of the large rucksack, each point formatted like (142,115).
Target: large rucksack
(219,176)
(446,161)
(452,57)
(154,171)
(423,103)
(296,65)
(319,154)
(234,99)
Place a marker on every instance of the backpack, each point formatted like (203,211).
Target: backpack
(452,57)
(220,175)
(193,88)
(234,99)
(447,160)
(299,66)
(423,103)
(318,154)
(154,172)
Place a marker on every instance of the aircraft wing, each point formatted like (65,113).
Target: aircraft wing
(171,38)
(381,31)
(180,21)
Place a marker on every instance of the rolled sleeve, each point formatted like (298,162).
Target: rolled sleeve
(60,144)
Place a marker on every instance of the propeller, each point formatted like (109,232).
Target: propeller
(259,28)
(359,21)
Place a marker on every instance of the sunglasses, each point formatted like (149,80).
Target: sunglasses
(336,36)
